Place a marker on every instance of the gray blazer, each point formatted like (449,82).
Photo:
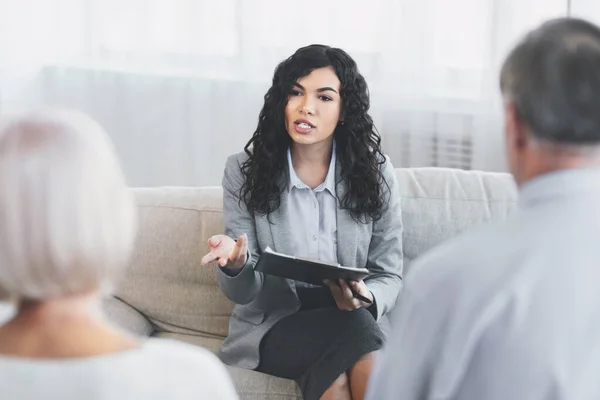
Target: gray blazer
(262,300)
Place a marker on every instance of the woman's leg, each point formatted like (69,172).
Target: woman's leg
(339,390)
(359,375)
(315,347)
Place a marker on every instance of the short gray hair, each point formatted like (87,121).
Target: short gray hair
(67,219)
(553,79)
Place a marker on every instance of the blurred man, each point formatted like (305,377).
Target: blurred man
(512,310)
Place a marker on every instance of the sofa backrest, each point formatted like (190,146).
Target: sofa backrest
(167,284)
(440,203)
(165,280)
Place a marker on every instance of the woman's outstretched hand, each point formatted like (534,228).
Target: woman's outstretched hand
(227,251)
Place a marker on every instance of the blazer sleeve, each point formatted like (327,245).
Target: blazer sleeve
(385,257)
(241,287)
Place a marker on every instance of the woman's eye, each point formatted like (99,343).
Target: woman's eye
(295,93)
(326,98)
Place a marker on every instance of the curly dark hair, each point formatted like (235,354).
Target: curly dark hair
(358,144)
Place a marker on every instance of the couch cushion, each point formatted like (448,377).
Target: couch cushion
(440,203)
(165,280)
(167,284)
(127,317)
(212,344)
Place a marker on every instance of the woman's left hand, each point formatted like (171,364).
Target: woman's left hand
(343,294)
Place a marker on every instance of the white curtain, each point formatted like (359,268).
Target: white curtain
(178,84)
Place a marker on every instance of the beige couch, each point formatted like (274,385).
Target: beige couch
(167,293)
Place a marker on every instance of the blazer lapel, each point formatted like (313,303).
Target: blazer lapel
(280,226)
(347,229)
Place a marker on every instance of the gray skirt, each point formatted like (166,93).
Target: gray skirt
(318,343)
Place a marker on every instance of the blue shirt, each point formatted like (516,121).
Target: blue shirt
(510,310)
(312,215)
(313,218)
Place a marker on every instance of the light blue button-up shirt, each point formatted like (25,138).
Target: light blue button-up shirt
(312,215)
(510,310)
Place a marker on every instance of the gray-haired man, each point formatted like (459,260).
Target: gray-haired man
(512,310)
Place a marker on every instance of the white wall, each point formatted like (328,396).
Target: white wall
(178,130)
(587,9)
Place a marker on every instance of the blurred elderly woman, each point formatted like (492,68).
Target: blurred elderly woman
(67,226)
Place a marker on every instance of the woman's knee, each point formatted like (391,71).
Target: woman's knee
(339,389)
(362,369)
(370,357)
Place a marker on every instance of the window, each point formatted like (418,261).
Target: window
(355,25)
(180,27)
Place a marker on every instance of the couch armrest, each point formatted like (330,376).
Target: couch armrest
(127,317)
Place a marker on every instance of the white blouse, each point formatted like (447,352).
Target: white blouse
(157,369)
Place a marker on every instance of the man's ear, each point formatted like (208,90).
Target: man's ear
(517,132)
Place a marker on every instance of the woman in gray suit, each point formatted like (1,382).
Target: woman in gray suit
(312,182)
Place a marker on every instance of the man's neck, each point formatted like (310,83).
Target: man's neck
(547,157)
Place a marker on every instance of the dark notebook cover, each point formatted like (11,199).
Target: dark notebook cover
(305,270)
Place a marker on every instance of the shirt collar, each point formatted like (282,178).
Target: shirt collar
(558,184)
(328,184)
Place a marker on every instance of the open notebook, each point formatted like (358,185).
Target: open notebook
(305,270)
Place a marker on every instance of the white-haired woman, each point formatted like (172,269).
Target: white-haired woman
(67,225)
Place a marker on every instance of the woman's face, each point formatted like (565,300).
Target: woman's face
(314,107)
